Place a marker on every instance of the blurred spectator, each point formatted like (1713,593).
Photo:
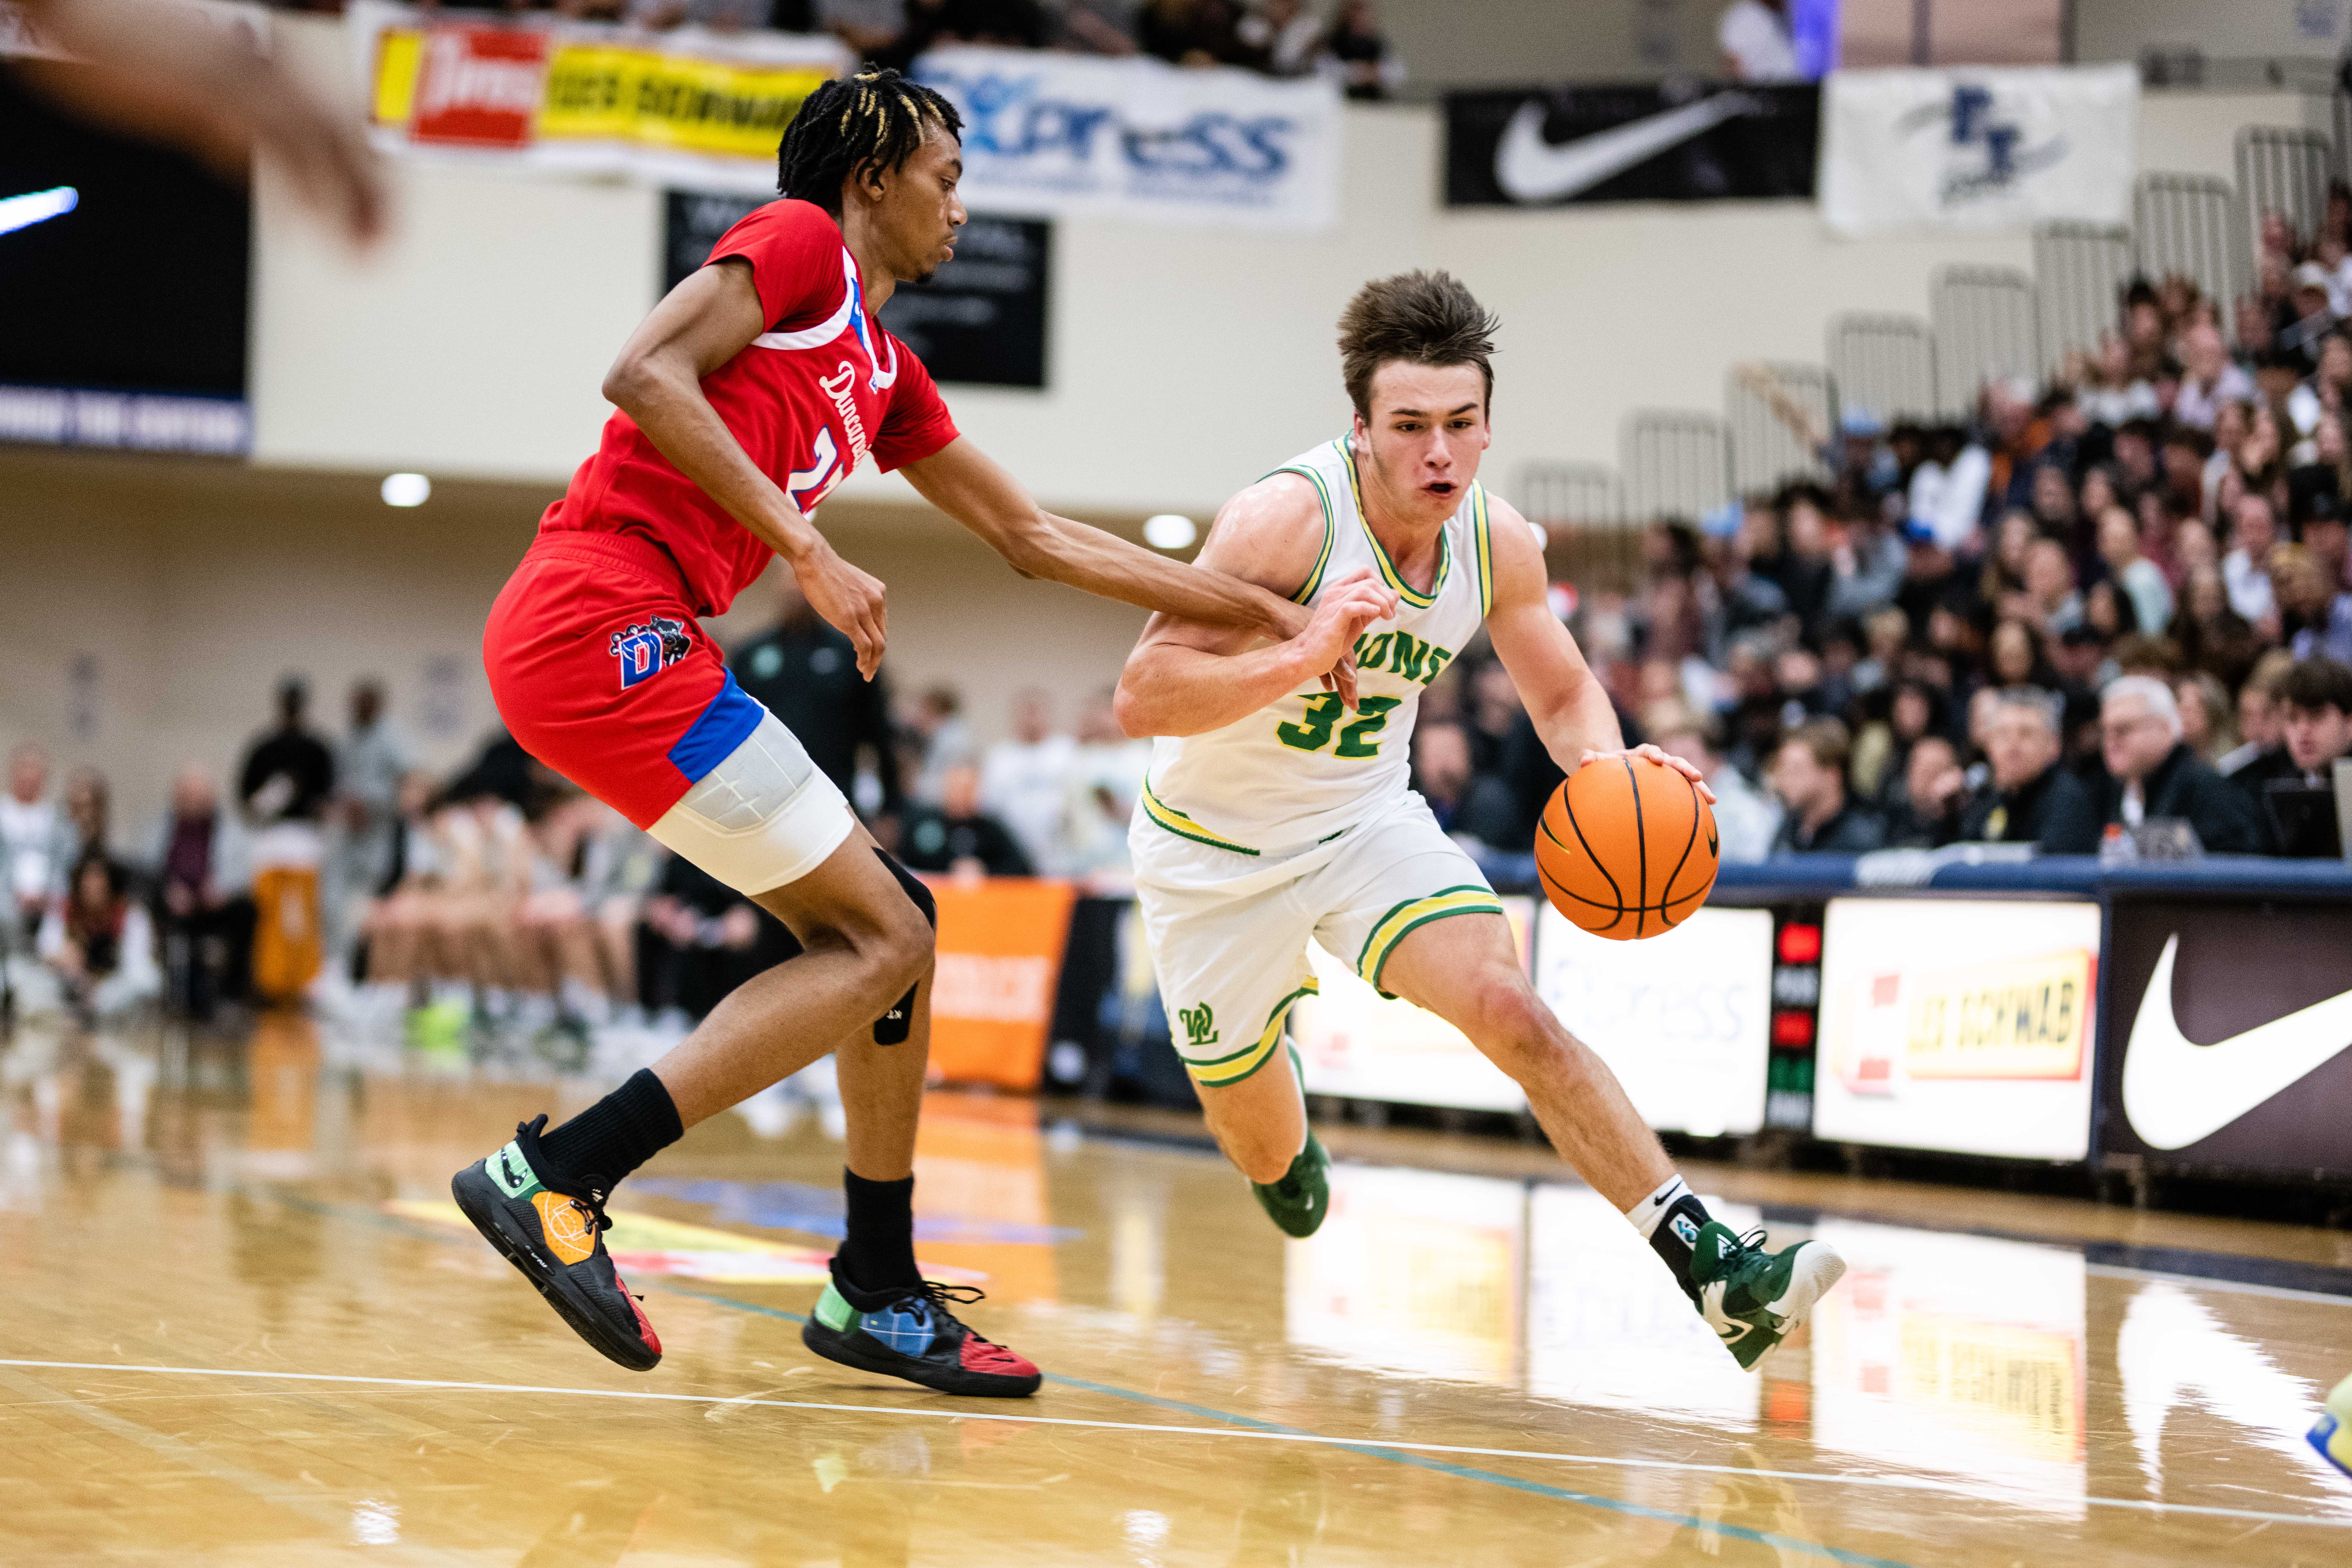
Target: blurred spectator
(1025,782)
(2050,598)
(943,741)
(2260,719)
(369,762)
(100,943)
(2245,569)
(2315,611)
(1746,820)
(2119,548)
(1466,805)
(2029,797)
(1283,34)
(1107,773)
(1754,37)
(2153,777)
(959,836)
(1359,55)
(288,771)
(1195,32)
(89,812)
(2209,378)
(806,674)
(1928,815)
(2208,727)
(2300,806)
(36,838)
(1808,775)
(194,856)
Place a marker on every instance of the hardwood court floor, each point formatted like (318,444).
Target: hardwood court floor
(241,1329)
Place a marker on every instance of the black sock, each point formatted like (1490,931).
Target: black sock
(1676,1234)
(616,1134)
(878,1251)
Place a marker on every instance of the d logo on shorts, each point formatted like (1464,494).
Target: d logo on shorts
(645,651)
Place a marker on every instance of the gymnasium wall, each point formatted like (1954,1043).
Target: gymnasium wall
(182,590)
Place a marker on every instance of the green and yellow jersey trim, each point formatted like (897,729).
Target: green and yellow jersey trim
(1323,559)
(1183,826)
(1227,1070)
(1469,898)
(1394,578)
(1483,537)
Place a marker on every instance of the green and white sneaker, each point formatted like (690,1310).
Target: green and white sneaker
(1299,1201)
(1753,1299)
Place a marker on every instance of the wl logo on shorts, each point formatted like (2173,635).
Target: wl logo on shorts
(645,651)
(1200,1024)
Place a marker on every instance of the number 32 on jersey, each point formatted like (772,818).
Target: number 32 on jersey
(1401,651)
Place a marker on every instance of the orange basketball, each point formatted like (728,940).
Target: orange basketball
(1626,849)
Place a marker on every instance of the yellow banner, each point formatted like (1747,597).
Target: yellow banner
(2017,1019)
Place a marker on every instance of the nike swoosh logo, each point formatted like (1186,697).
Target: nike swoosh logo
(36,206)
(2177,1092)
(1531,169)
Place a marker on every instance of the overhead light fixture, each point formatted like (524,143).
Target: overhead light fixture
(407,489)
(1169,531)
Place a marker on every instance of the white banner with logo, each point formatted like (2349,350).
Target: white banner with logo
(687,108)
(1912,149)
(1051,134)
(1958,1025)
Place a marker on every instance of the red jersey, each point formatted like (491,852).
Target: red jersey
(824,385)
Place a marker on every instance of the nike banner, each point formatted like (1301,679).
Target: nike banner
(1925,150)
(1633,142)
(2228,1036)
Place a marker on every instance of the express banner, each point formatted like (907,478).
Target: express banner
(2228,1036)
(1047,134)
(1923,149)
(586,98)
(1635,143)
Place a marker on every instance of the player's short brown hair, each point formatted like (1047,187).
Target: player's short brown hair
(1422,318)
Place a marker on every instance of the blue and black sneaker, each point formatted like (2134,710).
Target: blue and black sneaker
(913,1334)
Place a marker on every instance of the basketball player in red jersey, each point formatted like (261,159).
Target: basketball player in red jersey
(745,397)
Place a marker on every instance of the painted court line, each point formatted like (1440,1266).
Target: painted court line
(1245,1427)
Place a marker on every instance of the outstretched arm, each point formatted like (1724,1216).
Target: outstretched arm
(970,487)
(1568,706)
(1184,678)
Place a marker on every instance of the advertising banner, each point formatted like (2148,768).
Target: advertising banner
(1682,1020)
(1049,134)
(585,98)
(1912,149)
(1633,143)
(1000,959)
(2229,1036)
(1355,1043)
(1957,1025)
(981,319)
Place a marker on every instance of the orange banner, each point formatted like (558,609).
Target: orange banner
(1000,963)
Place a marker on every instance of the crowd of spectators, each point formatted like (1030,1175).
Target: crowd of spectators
(2110,613)
(1341,39)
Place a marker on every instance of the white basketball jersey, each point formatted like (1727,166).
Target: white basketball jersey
(1304,768)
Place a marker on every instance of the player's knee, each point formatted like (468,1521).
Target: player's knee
(1514,1026)
(901,947)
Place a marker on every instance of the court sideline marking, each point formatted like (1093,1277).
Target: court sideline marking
(1245,1426)
(1405,1452)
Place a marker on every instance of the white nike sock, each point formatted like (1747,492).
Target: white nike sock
(1645,1214)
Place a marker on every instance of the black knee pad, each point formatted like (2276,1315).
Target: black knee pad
(892,1028)
(914,886)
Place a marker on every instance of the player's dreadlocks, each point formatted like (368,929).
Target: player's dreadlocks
(877,118)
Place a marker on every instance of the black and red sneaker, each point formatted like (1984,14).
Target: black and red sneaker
(913,1334)
(552,1229)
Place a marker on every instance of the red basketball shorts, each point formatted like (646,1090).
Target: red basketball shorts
(600,670)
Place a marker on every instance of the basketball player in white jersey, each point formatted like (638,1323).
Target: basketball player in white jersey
(1273,812)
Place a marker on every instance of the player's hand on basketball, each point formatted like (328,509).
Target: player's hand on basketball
(849,600)
(1663,758)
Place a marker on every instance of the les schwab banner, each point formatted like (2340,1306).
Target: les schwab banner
(1000,963)
(586,98)
(1959,1025)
